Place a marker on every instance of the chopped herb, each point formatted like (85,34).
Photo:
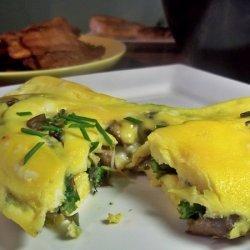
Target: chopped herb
(77,125)
(160,126)
(245,114)
(57,120)
(93,146)
(71,196)
(32,132)
(84,133)
(133,120)
(188,211)
(161,169)
(83,130)
(51,128)
(82,118)
(154,166)
(104,133)
(74,125)
(98,176)
(32,152)
(24,113)
(84,122)
(54,132)
(75,119)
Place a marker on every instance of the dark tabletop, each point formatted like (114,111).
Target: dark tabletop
(150,54)
(225,63)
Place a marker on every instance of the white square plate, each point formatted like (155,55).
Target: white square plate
(149,220)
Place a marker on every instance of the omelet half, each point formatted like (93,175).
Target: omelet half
(56,141)
(59,142)
(209,181)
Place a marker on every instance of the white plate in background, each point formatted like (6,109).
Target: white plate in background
(149,220)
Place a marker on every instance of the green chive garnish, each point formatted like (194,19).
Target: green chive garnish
(32,152)
(103,133)
(51,128)
(24,113)
(93,146)
(32,132)
(86,122)
(78,125)
(74,125)
(133,120)
(160,126)
(82,118)
(75,119)
(84,133)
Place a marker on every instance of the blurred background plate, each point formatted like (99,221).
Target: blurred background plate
(114,50)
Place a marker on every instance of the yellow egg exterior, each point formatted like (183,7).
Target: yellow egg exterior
(212,159)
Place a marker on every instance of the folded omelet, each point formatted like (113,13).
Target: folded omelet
(56,141)
(209,181)
(60,141)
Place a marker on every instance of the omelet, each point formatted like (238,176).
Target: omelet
(60,141)
(57,140)
(210,171)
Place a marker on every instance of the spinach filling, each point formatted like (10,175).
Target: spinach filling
(98,176)
(62,220)
(161,169)
(71,196)
(188,211)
